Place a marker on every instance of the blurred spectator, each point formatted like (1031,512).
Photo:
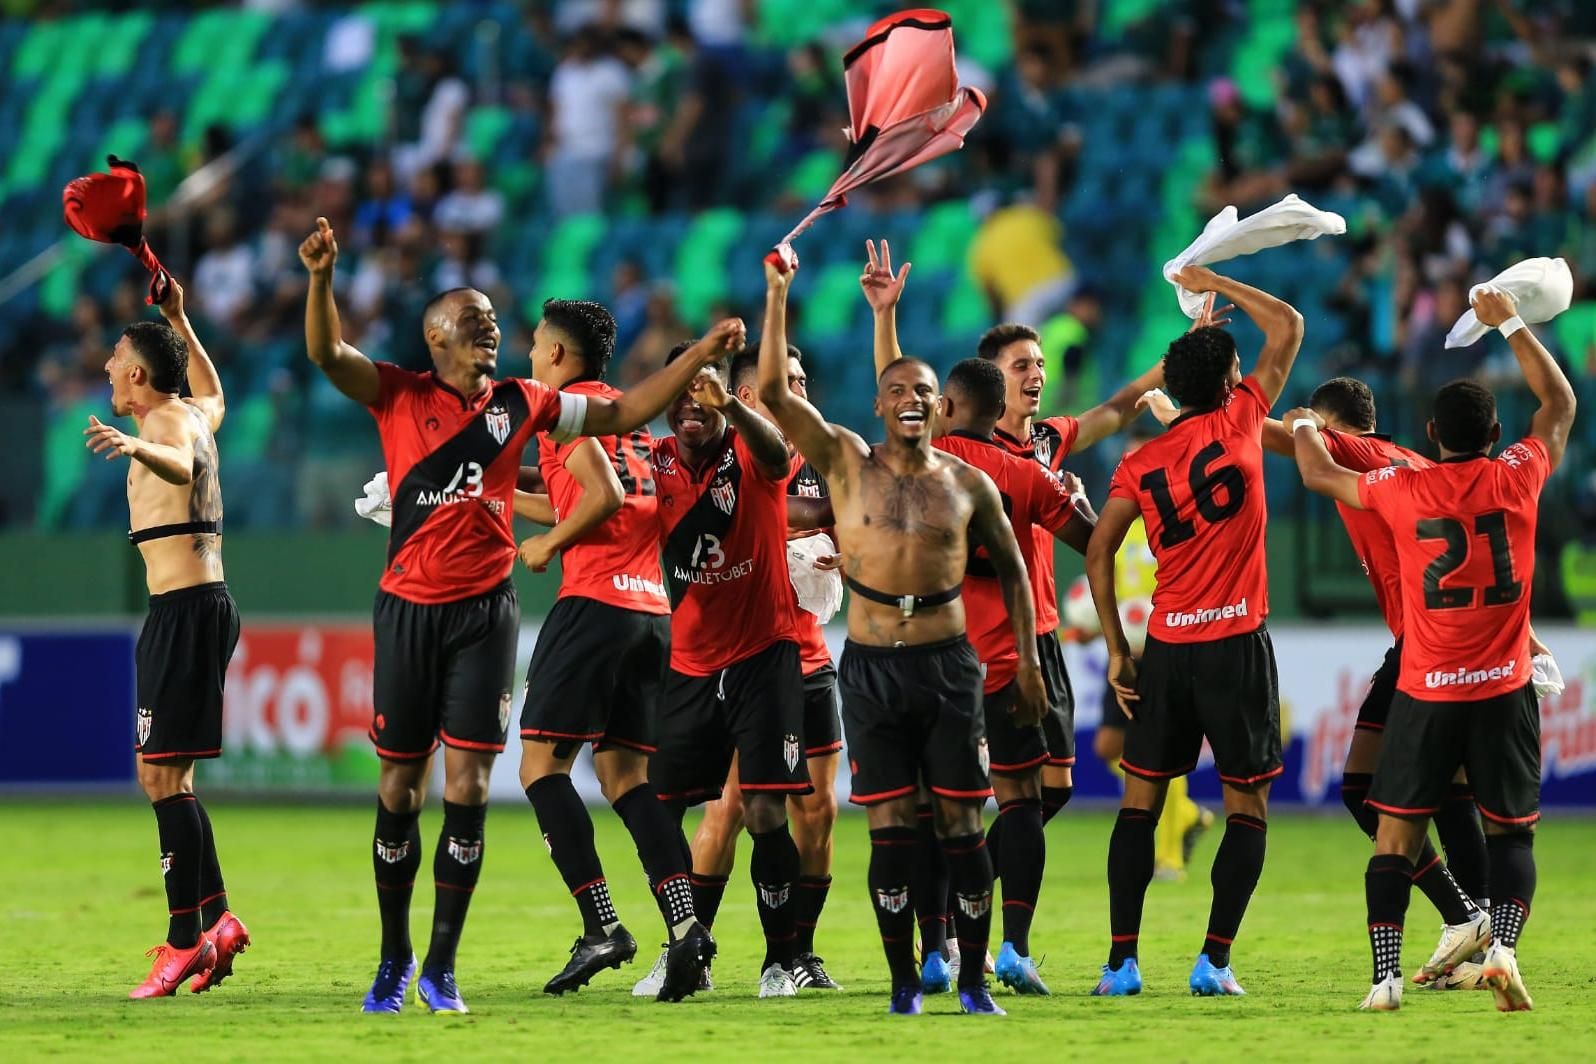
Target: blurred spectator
(383,209)
(161,162)
(656,90)
(586,96)
(224,277)
(437,126)
(695,148)
(1017,260)
(628,302)
(299,162)
(662,330)
(644,16)
(461,264)
(469,207)
(1066,342)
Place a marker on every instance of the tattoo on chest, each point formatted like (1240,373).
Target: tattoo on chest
(924,505)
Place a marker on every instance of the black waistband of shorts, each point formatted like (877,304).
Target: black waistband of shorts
(506,586)
(185,528)
(911,650)
(909,604)
(183,594)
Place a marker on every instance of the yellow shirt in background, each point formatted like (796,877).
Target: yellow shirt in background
(1017,250)
(1135,568)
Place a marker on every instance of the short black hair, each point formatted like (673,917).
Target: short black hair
(995,339)
(981,384)
(681,349)
(435,304)
(745,363)
(1346,399)
(160,348)
(1197,367)
(1465,415)
(589,327)
(904,363)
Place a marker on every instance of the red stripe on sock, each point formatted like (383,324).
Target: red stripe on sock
(450,886)
(679,875)
(1433,862)
(586,886)
(1123,938)
(213,897)
(1222,941)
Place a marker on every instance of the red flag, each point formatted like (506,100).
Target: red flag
(905,104)
(109,209)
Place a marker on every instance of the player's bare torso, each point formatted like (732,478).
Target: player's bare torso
(183,560)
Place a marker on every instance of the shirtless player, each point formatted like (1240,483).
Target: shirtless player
(906,515)
(174,502)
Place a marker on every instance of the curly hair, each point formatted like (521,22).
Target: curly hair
(1346,399)
(1464,416)
(588,327)
(981,385)
(1197,367)
(163,351)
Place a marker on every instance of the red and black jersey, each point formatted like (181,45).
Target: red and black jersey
(813,653)
(1200,490)
(1370,536)
(617,562)
(1052,440)
(1034,501)
(452,463)
(1464,531)
(724,530)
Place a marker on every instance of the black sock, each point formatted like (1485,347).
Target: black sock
(1386,887)
(970,870)
(1457,825)
(930,885)
(1354,789)
(1237,866)
(708,891)
(1431,877)
(892,861)
(812,892)
(182,845)
(1053,800)
(1512,884)
(455,867)
(1130,870)
(396,857)
(1021,869)
(994,844)
(773,867)
(213,895)
(568,833)
(660,845)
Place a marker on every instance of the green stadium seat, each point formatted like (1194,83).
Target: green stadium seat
(1575,330)
(965,310)
(484,128)
(65,459)
(829,307)
(941,238)
(567,253)
(701,260)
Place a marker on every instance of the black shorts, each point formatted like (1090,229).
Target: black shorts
(1225,690)
(1113,714)
(1059,724)
(1382,689)
(822,726)
(181,667)
(1497,740)
(443,672)
(912,714)
(596,674)
(754,708)
(1013,748)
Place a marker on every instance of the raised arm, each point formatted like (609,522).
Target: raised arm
(165,443)
(1555,416)
(1320,473)
(1117,411)
(816,439)
(648,400)
(882,290)
(1279,320)
(601,497)
(762,438)
(204,385)
(1112,524)
(1277,438)
(350,371)
(992,530)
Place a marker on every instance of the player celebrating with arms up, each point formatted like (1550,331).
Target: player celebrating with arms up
(1465,539)
(911,683)
(1208,670)
(174,500)
(446,617)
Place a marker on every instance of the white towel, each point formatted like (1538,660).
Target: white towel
(1546,676)
(1542,288)
(819,590)
(1224,237)
(375,505)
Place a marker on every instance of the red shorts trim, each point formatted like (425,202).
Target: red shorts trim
(883,796)
(540,735)
(701,793)
(174,755)
(1368,725)
(1149,774)
(609,740)
(947,793)
(1397,810)
(1060,762)
(395,755)
(468,744)
(823,751)
(1023,766)
(786,788)
(1242,781)
(1532,818)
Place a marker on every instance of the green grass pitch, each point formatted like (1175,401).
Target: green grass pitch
(80,895)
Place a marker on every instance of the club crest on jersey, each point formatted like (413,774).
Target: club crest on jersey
(499,423)
(774,897)
(466,851)
(393,853)
(1043,446)
(892,901)
(789,752)
(146,718)
(724,495)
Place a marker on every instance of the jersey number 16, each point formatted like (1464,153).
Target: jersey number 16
(1205,483)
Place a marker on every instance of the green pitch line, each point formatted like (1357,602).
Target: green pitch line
(80,900)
